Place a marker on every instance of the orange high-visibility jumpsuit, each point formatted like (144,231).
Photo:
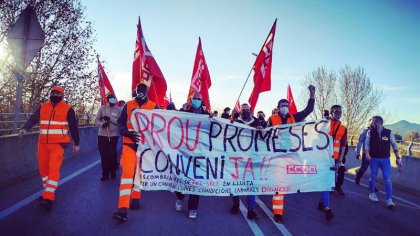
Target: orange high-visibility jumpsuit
(54,132)
(129,159)
(278,199)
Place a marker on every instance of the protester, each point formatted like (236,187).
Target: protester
(338,132)
(377,148)
(56,118)
(361,146)
(108,134)
(261,119)
(247,119)
(284,117)
(275,111)
(128,157)
(121,103)
(226,113)
(171,106)
(195,106)
(215,113)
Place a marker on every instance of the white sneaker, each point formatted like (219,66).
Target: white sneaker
(373,197)
(192,214)
(390,204)
(178,205)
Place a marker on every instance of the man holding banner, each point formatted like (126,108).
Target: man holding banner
(128,157)
(338,132)
(247,119)
(284,117)
(195,106)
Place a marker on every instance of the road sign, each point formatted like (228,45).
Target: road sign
(25,38)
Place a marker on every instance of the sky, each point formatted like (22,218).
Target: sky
(383,37)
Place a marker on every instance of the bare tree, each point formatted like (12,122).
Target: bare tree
(352,90)
(358,98)
(325,95)
(65,59)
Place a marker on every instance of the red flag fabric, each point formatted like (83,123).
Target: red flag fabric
(262,68)
(200,80)
(147,71)
(292,105)
(105,87)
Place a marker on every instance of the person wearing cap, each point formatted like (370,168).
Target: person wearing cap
(56,120)
(226,113)
(108,134)
(284,117)
(128,158)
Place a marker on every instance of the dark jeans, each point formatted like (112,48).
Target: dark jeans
(108,150)
(193,200)
(363,167)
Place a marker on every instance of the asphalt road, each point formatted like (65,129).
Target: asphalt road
(84,206)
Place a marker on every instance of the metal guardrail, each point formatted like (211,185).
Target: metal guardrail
(406,147)
(6,121)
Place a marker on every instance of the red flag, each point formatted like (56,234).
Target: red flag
(262,69)
(200,80)
(105,87)
(292,105)
(147,71)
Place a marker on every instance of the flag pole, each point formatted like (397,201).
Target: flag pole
(243,87)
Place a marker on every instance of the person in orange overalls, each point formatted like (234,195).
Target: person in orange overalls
(283,117)
(128,157)
(338,132)
(56,118)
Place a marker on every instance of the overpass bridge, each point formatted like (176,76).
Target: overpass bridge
(84,204)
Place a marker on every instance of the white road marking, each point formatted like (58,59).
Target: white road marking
(254,227)
(393,196)
(280,227)
(26,201)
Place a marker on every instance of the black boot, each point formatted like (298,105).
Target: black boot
(251,214)
(278,218)
(120,215)
(235,209)
(47,203)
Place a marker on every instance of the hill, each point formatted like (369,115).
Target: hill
(402,127)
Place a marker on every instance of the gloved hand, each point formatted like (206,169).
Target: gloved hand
(106,118)
(106,124)
(132,135)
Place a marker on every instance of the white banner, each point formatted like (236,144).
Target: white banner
(196,154)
